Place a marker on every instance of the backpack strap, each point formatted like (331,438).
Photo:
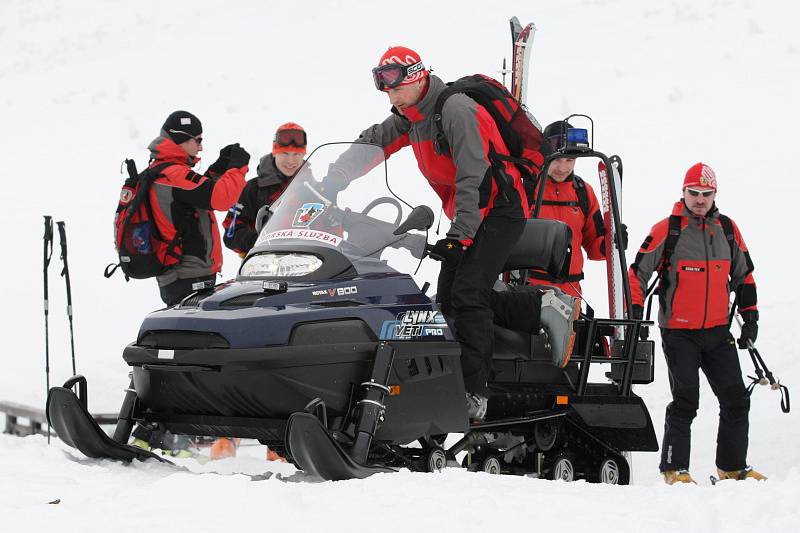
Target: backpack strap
(583,196)
(440,144)
(673,234)
(727,228)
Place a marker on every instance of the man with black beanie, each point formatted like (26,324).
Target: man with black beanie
(183,204)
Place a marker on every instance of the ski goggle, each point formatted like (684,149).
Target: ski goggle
(392,75)
(290,138)
(695,192)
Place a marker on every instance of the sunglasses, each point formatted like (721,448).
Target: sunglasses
(291,138)
(695,192)
(392,75)
(198,139)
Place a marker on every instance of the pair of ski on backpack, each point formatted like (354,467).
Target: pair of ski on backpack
(143,251)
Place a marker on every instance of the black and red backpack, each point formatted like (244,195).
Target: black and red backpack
(525,142)
(142,249)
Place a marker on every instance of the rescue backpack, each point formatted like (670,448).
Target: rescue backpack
(525,142)
(143,251)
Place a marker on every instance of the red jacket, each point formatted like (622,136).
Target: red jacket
(183,204)
(702,272)
(466,180)
(561,202)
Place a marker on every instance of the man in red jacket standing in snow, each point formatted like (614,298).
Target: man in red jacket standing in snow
(183,204)
(701,258)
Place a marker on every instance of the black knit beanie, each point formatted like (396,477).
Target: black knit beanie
(182,126)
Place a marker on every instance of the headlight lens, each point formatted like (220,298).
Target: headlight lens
(280,265)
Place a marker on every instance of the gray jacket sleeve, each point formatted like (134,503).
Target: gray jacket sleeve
(469,150)
(647,262)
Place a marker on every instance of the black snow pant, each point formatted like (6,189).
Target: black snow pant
(464,293)
(714,351)
(176,291)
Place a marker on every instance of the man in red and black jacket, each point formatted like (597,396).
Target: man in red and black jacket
(275,172)
(482,195)
(571,200)
(699,266)
(183,203)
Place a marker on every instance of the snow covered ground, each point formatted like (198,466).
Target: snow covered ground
(85,84)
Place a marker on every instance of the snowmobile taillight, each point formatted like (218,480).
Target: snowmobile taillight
(275,286)
(577,138)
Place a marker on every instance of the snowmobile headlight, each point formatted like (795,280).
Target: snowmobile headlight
(280,265)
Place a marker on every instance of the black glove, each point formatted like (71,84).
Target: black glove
(222,163)
(333,183)
(238,157)
(623,231)
(749,333)
(447,250)
(637,313)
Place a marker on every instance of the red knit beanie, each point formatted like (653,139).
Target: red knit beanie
(700,175)
(404,56)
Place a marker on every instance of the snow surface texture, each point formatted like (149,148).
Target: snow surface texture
(86,84)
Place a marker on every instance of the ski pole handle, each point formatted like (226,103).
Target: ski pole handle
(235,209)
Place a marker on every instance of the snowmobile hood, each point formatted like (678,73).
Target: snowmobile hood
(247,316)
(424,109)
(164,149)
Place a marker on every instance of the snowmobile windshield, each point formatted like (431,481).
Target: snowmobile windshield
(339,200)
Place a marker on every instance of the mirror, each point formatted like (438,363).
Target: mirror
(420,218)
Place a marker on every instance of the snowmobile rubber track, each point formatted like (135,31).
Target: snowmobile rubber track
(316,453)
(68,415)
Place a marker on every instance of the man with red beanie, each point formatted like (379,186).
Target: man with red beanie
(183,203)
(701,258)
(481,193)
(275,172)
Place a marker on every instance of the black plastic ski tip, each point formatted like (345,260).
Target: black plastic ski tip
(76,427)
(316,453)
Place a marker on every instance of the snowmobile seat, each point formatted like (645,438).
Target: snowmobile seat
(544,245)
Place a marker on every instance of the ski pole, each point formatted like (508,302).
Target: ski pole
(48,254)
(62,237)
(763,374)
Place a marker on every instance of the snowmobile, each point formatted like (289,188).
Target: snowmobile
(325,349)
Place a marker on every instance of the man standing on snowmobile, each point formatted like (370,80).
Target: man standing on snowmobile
(481,194)
(571,200)
(275,172)
(183,203)
(701,258)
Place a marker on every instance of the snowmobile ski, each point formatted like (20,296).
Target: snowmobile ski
(67,413)
(316,453)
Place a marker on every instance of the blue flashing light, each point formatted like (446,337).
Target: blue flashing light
(577,137)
